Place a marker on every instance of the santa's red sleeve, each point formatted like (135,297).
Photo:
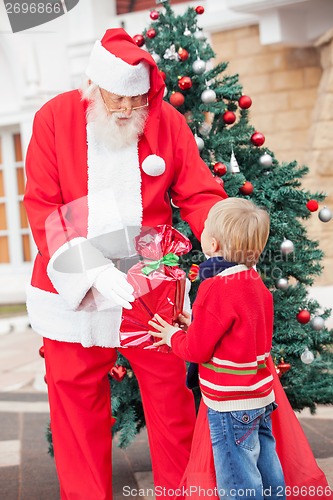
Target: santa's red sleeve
(194,189)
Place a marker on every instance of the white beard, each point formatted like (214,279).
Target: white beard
(113,133)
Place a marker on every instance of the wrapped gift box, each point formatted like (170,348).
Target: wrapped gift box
(158,282)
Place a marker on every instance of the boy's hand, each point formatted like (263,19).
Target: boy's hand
(184,320)
(164,331)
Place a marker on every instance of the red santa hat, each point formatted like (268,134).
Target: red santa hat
(111,65)
(119,66)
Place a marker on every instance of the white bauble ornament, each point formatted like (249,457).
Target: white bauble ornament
(307,356)
(153,165)
(287,247)
(199,35)
(325,215)
(317,323)
(199,66)
(282,284)
(266,160)
(200,142)
(208,96)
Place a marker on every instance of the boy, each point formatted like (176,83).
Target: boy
(231,337)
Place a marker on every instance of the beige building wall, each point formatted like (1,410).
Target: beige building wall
(292,93)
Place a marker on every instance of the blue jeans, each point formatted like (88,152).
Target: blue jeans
(246,463)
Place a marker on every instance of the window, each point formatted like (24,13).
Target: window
(15,240)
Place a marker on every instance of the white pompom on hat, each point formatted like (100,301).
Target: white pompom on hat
(110,71)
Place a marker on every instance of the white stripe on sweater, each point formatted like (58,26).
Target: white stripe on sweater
(233,388)
(225,362)
(239,404)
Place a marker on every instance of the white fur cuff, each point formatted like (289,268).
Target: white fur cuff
(73,269)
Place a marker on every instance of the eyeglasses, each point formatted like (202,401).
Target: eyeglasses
(122,110)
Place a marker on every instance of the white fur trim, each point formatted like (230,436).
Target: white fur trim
(73,285)
(115,75)
(50,317)
(114,189)
(153,165)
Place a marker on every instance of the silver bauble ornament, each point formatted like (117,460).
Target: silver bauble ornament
(307,356)
(282,284)
(287,247)
(199,66)
(317,323)
(200,142)
(325,215)
(266,160)
(156,57)
(208,96)
(199,35)
(187,32)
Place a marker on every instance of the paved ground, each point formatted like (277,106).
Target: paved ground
(26,470)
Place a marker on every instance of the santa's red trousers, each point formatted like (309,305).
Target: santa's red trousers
(79,397)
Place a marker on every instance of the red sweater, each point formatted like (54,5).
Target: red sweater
(231,337)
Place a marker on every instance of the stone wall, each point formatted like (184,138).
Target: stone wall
(292,93)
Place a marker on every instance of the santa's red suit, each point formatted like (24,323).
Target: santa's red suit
(77,190)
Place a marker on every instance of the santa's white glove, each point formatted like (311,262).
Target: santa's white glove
(113,285)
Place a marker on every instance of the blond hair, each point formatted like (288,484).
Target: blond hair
(240,228)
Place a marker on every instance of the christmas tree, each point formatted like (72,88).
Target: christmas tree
(217,112)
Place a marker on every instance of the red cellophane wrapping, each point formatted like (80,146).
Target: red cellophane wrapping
(161,291)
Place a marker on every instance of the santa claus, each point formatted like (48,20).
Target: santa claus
(101,160)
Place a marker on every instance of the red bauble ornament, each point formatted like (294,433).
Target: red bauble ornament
(219,181)
(41,352)
(177,99)
(193,273)
(151,33)
(312,205)
(257,139)
(139,40)
(163,74)
(282,368)
(200,9)
(229,117)
(183,54)
(247,188)
(154,15)
(113,420)
(118,372)
(185,83)
(244,102)
(303,316)
(220,168)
